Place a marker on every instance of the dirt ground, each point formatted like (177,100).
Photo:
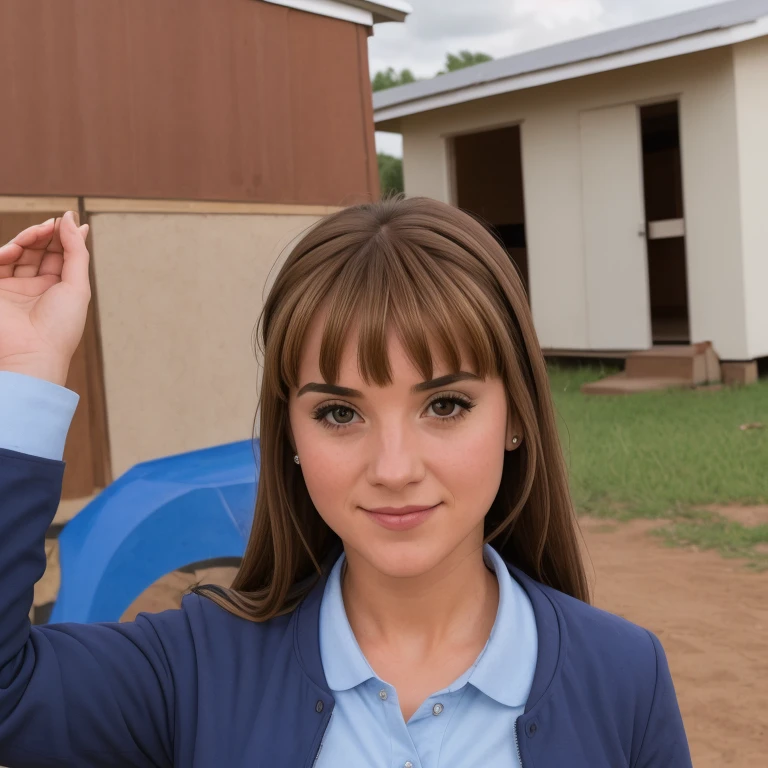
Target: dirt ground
(711,615)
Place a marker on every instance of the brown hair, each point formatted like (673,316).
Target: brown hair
(433,272)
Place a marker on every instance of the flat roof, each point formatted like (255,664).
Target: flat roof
(383,10)
(708,27)
(366,12)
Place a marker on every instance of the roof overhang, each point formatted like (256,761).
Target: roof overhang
(363,12)
(490,79)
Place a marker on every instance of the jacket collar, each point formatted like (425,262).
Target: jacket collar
(551,635)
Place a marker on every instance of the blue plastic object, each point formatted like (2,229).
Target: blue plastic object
(159,516)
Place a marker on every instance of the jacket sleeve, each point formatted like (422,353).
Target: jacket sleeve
(74,695)
(664,744)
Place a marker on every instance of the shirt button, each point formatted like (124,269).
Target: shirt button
(408,764)
(383,695)
(437,709)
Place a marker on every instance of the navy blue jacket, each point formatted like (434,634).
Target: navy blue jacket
(200,688)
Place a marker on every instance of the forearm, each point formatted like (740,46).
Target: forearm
(30,489)
(81,695)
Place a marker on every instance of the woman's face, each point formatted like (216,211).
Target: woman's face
(391,447)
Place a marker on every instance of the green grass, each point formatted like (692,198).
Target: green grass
(663,454)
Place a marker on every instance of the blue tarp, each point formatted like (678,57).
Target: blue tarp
(159,516)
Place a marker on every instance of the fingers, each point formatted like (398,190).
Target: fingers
(75,267)
(34,237)
(38,250)
(52,263)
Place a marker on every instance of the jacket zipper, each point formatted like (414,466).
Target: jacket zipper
(517,744)
(320,748)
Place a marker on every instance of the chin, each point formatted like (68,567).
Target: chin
(403,559)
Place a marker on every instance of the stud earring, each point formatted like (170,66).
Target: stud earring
(296,459)
(515,441)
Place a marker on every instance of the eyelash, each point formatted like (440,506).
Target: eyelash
(467,405)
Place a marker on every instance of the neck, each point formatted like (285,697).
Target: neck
(453,604)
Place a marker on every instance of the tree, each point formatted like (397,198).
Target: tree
(462,60)
(391,168)
(390,174)
(391,79)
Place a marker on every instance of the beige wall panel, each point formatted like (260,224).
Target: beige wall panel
(751,71)
(618,302)
(553,186)
(179,298)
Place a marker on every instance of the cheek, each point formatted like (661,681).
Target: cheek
(471,466)
(328,476)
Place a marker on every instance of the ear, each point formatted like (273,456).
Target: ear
(514,430)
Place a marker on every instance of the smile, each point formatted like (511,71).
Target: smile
(399,521)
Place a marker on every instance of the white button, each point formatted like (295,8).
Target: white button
(383,695)
(409,764)
(437,709)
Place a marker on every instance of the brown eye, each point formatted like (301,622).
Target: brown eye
(444,407)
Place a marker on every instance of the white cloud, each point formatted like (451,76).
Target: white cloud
(556,13)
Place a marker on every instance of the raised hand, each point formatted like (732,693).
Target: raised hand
(44,296)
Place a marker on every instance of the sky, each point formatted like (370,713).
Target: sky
(500,28)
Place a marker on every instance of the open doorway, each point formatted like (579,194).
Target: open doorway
(488,183)
(663,189)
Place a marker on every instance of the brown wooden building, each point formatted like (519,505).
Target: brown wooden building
(198,138)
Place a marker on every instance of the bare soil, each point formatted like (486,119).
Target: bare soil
(711,615)
(736,513)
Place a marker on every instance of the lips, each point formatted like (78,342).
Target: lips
(400,510)
(401,518)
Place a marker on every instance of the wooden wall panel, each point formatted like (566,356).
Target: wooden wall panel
(235,100)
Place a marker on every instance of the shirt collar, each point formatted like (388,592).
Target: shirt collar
(344,664)
(503,671)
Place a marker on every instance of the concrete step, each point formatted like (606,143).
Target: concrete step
(696,364)
(621,384)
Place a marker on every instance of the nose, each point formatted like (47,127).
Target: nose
(395,459)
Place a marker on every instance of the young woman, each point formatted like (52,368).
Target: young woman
(412,594)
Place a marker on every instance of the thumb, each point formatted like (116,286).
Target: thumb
(76,257)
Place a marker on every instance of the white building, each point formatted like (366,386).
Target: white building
(627,173)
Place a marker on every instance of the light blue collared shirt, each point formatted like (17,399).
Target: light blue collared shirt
(468,724)
(35,415)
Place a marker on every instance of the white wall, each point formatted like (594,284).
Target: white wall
(704,83)
(751,73)
(179,296)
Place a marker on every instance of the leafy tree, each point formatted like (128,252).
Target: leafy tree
(391,79)
(390,174)
(391,168)
(462,60)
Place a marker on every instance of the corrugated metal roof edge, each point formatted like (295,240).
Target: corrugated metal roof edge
(619,40)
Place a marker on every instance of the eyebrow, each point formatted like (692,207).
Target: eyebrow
(442,381)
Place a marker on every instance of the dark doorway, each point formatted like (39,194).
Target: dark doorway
(488,177)
(665,227)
